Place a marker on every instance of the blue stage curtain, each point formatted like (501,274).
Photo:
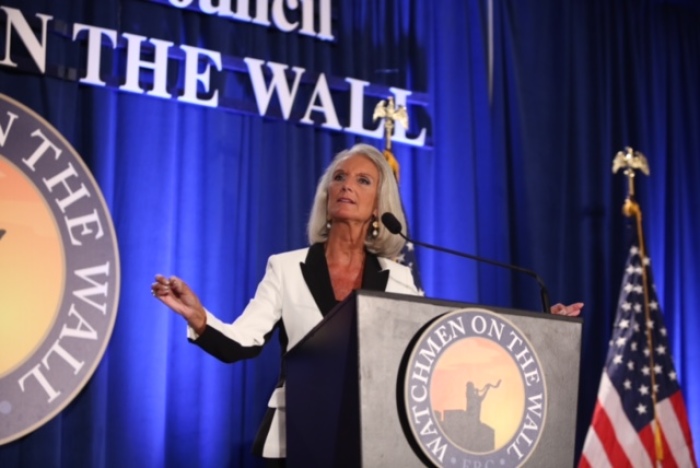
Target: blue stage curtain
(575,82)
(521,176)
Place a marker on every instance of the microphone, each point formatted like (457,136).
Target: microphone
(394,227)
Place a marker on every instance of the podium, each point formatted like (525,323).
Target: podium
(354,381)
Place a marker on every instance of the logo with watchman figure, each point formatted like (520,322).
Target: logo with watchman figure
(473,392)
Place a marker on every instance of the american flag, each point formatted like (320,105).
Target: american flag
(407,256)
(638,370)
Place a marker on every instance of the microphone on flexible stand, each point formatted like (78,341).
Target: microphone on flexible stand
(394,227)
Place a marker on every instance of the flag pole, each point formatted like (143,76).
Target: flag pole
(630,161)
(387,111)
(390,113)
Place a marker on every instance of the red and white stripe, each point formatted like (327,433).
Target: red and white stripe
(613,442)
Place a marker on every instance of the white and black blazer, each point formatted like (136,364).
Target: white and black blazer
(294,295)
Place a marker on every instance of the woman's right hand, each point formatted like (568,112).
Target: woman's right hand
(176,294)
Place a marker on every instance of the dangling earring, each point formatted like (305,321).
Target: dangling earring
(328,225)
(375,228)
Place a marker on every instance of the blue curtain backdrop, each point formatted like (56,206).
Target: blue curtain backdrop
(522,176)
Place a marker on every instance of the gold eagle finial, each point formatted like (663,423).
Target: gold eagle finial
(630,161)
(390,113)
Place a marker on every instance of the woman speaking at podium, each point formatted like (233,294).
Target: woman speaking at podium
(349,249)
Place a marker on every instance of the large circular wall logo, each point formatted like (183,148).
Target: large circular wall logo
(472,392)
(59,272)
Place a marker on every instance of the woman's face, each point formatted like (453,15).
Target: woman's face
(352,193)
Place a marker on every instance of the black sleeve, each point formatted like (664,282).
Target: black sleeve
(224,348)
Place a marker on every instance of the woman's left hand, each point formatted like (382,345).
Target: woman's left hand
(572,310)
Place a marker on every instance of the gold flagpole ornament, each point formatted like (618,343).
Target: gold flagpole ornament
(632,161)
(390,113)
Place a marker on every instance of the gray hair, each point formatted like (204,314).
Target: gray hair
(385,244)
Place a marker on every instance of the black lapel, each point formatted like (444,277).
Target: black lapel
(373,277)
(315,272)
(318,279)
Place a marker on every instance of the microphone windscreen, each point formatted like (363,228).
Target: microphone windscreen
(391,223)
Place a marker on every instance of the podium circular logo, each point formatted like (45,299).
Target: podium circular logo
(472,392)
(59,274)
